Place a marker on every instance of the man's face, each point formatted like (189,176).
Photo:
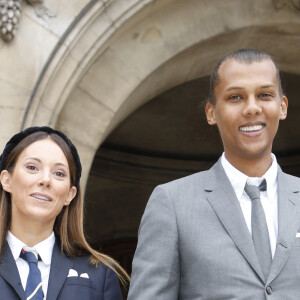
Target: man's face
(247,109)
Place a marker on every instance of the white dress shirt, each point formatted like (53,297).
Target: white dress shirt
(269,198)
(44,249)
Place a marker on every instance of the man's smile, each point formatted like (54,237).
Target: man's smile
(252,128)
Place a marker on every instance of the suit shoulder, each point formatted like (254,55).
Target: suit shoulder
(292,179)
(187,180)
(188,185)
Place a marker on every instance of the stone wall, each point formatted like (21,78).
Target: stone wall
(84,66)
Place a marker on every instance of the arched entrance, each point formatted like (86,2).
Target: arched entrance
(118,55)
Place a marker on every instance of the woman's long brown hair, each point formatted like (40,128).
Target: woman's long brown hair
(68,225)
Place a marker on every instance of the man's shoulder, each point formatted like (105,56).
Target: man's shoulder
(291,178)
(192,180)
(191,177)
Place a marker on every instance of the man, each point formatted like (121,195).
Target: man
(207,236)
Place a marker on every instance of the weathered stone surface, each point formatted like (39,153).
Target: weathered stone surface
(85,66)
(125,53)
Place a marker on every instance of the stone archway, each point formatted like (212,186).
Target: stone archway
(117,55)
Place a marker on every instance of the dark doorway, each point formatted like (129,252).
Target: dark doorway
(165,139)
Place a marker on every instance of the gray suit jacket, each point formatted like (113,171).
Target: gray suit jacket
(194,243)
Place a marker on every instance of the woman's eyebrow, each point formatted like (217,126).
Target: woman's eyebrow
(38,160)
(33,158)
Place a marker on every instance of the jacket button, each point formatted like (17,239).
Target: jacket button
(269,290)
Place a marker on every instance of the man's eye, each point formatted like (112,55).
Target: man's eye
(266,95)
(235,97)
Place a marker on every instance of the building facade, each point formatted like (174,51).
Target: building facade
(125,80)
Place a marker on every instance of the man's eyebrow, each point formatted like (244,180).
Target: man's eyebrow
(268,86)
(234,88)
(241,88)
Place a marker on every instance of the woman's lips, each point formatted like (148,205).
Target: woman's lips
(41,197)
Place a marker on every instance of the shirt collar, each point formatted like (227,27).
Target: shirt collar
(15,245)
(239,179)
(44,248)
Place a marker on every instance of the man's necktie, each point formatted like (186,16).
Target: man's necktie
(33,289)
(260,233)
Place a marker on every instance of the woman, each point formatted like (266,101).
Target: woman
(43,251)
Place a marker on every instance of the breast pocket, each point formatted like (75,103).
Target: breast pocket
(78,288)
(79,281)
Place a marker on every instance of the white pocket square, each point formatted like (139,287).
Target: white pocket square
(72,273)
(84,275)
(298,234)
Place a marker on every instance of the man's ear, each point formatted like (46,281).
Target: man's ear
(71,195)
(210,113)
(5,178)
(283,107)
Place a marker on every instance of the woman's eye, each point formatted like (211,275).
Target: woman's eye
(31,167)
(59,174)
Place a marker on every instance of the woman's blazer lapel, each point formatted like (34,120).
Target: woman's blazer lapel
(10,273)
(60,266)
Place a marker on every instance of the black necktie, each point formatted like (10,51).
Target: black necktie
(33,289)
(259,228)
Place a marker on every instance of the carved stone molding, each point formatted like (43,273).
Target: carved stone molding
(10,13)
(293,4)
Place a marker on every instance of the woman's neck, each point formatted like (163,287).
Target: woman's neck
(31,233)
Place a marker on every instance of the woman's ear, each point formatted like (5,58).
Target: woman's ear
(71,195)
(5,178)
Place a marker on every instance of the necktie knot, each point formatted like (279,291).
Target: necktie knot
(29,257)
(253,191)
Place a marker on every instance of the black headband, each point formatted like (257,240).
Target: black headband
(17,138)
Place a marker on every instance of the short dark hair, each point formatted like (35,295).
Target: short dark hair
(244,55)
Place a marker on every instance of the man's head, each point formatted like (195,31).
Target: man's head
(247,104)
(245,55)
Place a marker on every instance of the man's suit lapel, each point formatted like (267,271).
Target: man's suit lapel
(9,271)
(288,220)
(222,198)
(60,266)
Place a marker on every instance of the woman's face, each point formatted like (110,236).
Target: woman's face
(39,183)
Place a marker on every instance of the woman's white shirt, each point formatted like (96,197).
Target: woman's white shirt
(44,249)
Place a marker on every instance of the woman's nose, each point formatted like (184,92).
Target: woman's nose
(45,179)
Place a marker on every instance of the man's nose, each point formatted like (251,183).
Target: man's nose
(252,106)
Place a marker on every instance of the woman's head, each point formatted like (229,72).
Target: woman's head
(30,135)
(39,185)
(49,150)
(43,165)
